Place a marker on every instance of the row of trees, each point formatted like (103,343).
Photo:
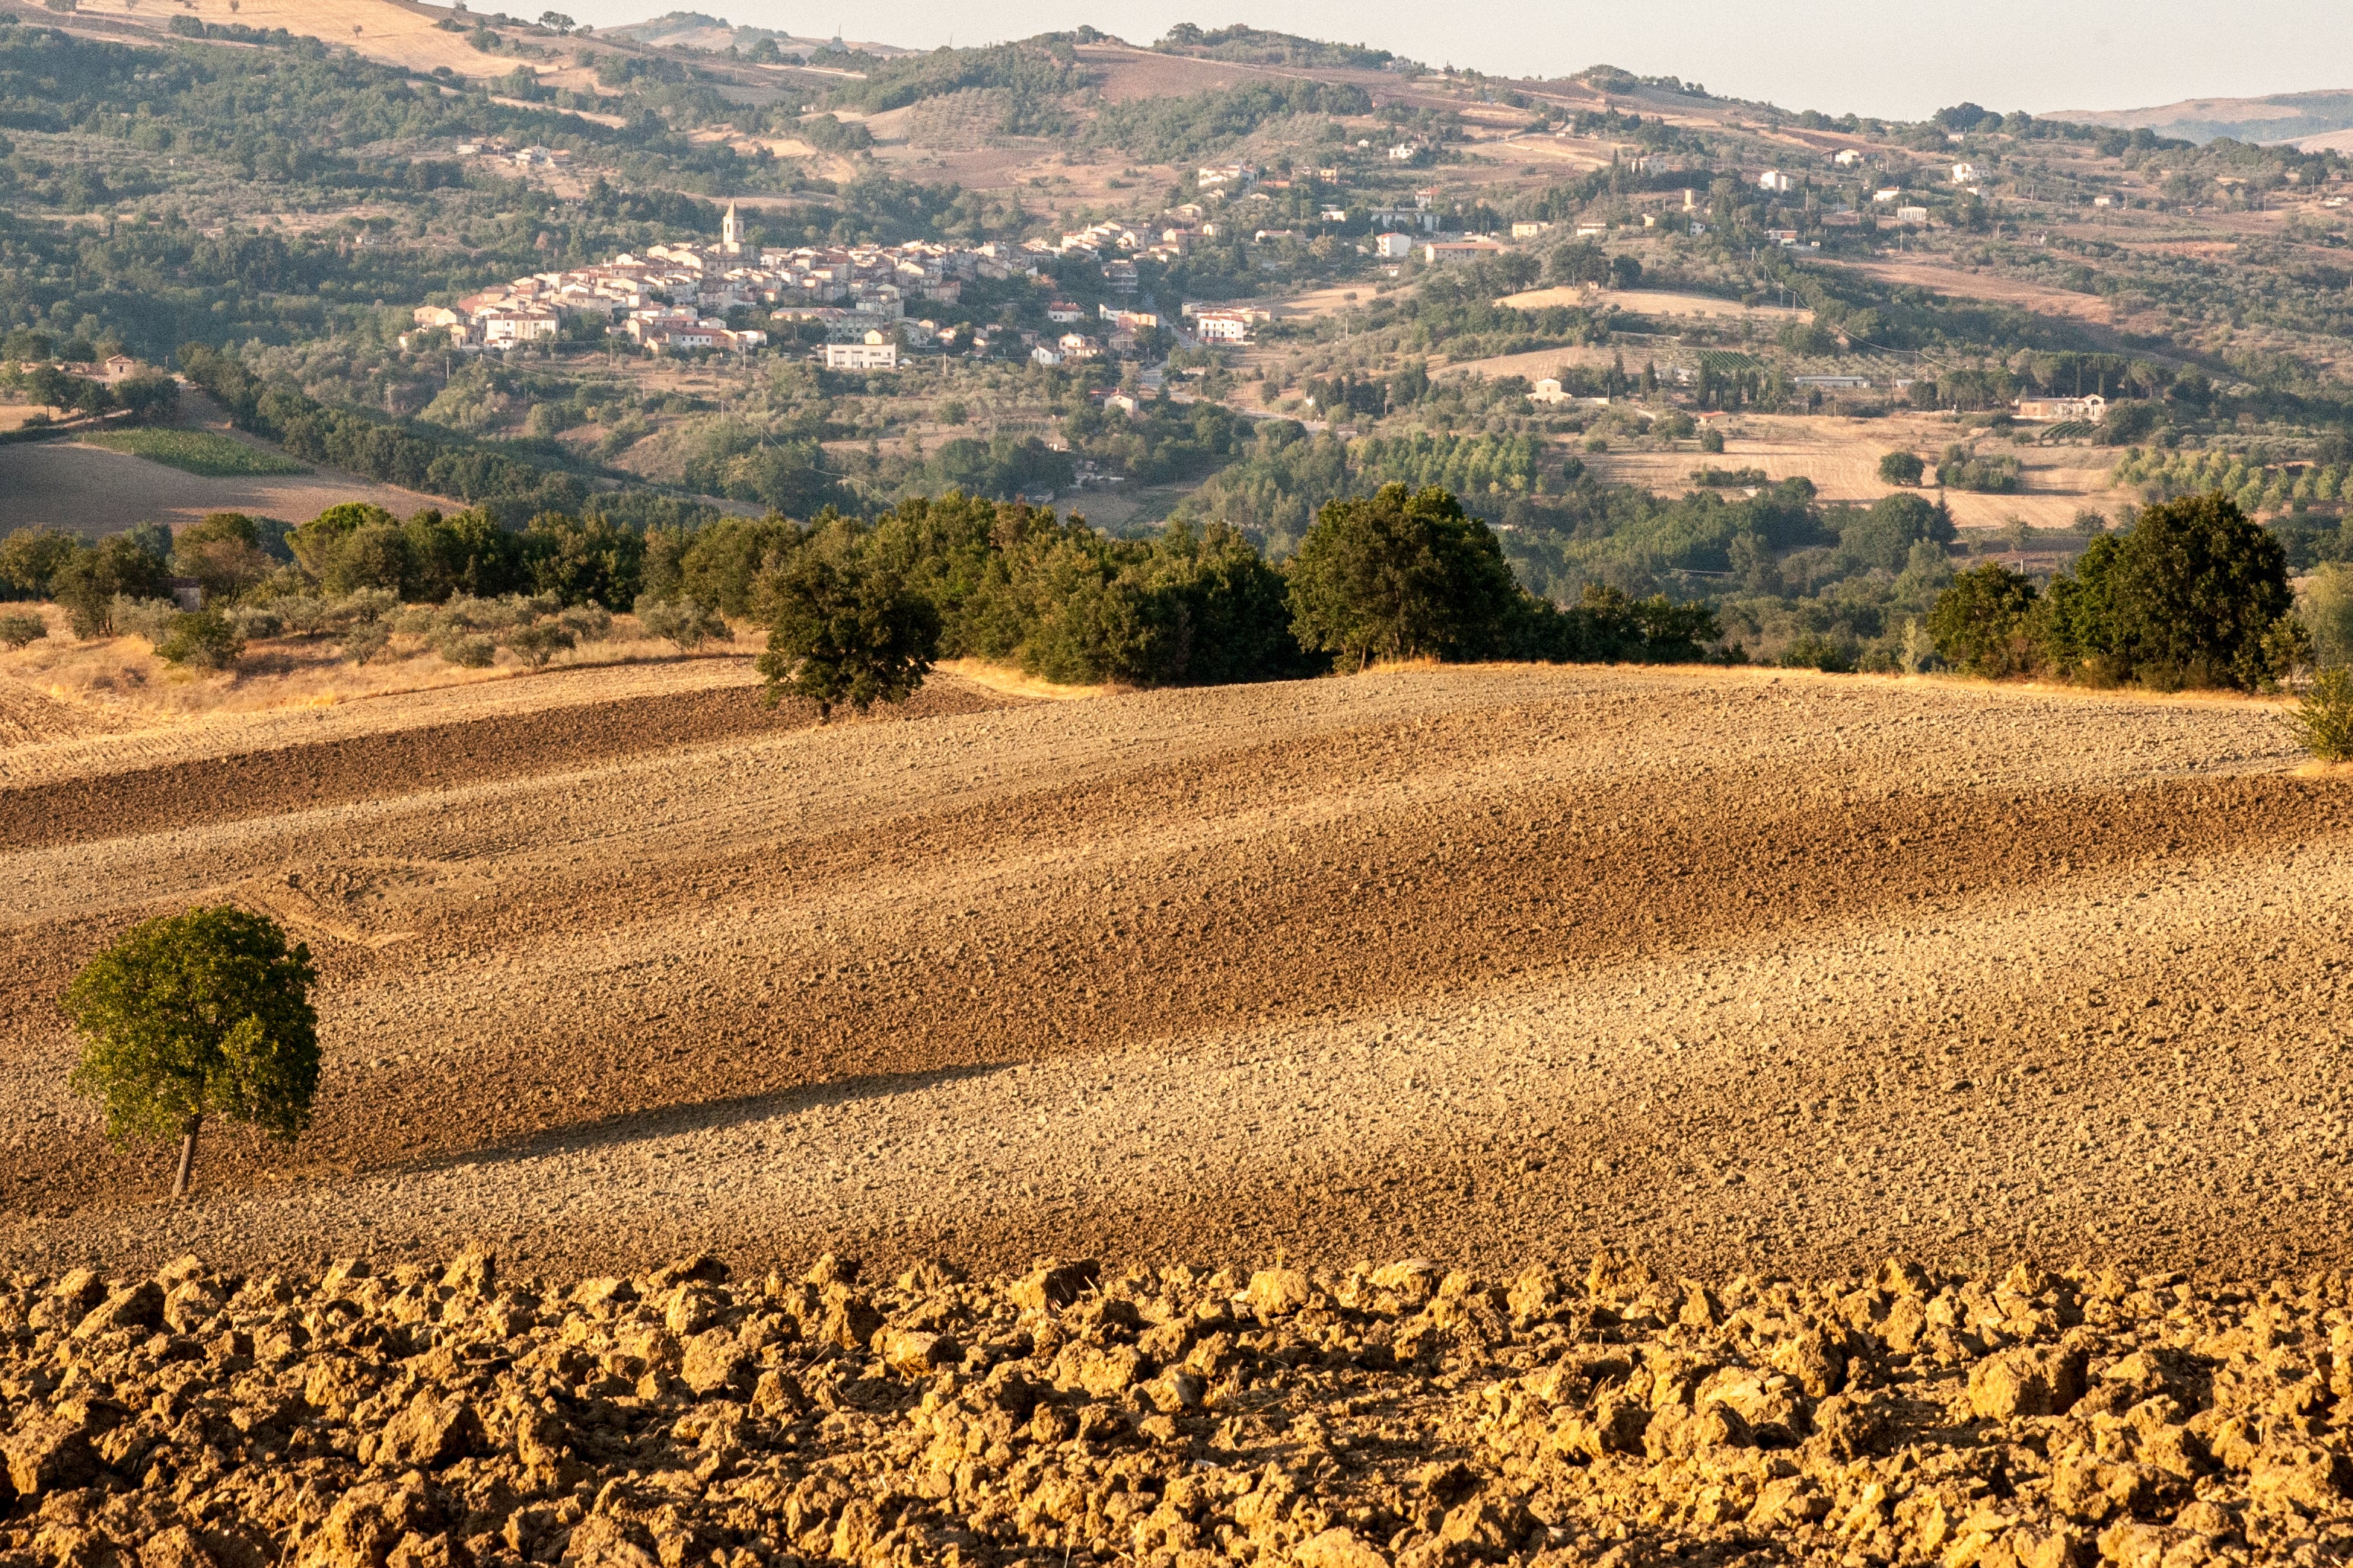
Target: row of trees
(858,611)
(2193,594)
(150,395)
(1400,573)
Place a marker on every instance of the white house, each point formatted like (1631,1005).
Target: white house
(1967,174)
(1777,181)
(1222,326)
(1891,193)
(878,351)
(1846,157)
(1548,391)
(2053,409)
(1393,247)
(504,328)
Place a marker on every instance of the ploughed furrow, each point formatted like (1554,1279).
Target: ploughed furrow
(431,757)
(1147,906)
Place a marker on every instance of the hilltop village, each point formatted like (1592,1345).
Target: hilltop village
(684,297)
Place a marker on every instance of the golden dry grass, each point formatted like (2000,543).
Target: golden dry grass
(1654,303)
(379,30)
(118,682)
(1841,457)
(1008,681)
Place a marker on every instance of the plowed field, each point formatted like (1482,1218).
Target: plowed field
(1482,964)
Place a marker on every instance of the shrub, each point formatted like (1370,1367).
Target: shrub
(1901,468)
(2323,721)
(203,638)
(1811,650)
(304,615)
(258,622)
(1711,439)
(198,1014)
(843,627)
(19,627)
(587,623)
(539,642)
(468,650)
(366,641)
(1962,470)
(149,619)
(684,623)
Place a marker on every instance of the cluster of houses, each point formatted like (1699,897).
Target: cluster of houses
(677,297)
(680,297)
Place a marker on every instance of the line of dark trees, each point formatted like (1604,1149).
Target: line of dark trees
(1398,575)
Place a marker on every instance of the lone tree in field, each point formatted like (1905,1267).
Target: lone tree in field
(202,1013)
(844,626)
(1401,574)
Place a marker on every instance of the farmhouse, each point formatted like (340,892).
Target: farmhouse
(2053,409)
(1442,250)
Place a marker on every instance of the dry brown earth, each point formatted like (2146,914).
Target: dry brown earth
(1491,963)
(352,1416)
(92,491)
(1758,977)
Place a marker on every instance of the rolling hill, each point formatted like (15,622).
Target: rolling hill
(2306,119)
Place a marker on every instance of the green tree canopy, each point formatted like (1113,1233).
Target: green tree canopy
(1980,624)
(2193,593)
(843,626)
(197,1015)
(89,580)
(29,559)
(1401,574)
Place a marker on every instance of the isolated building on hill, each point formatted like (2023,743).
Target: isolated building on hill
(2057,409)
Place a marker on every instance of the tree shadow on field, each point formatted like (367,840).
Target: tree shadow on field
(708,1116)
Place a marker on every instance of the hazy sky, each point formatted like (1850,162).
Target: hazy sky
(1894,57)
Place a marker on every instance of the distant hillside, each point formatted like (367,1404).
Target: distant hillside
(699,30)
(2283,117)
(1253,46)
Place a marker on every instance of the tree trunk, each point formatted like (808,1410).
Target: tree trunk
(187,1157)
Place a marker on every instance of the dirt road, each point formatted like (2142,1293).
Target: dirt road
(1482,964)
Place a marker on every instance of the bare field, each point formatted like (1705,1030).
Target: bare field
(1489,964)
(1841,458)
(1654,303)
(1736,983)
(1940,278)
(92,491)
